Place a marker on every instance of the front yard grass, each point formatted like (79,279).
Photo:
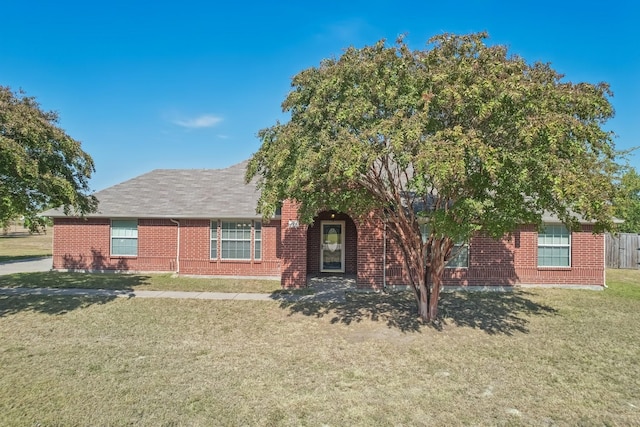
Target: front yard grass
(137,282)
(19,244)
(531,357)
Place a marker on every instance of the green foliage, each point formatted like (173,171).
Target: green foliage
(460,135)
(40,165)
(484,137)
(627,202)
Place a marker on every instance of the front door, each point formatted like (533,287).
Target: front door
(332,246)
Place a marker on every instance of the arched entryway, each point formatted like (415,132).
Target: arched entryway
(332,245)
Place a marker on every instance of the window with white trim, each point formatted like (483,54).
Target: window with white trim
(554,246)
(124,237)
(236,239)
(257,240)
(235,242)
(214,239)
(461,250)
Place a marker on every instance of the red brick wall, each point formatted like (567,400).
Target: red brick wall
(80,244)
(370,253)
(84,244)
(514,260)
(294,247)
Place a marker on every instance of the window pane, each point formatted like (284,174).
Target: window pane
(549,256)
(257,240)
(124,228)
(424,230)
(554,235)
(236,240)
(246,250)
(124,237)
(214,239)
(554,246)
(121,246)
(236,249)
(461,259)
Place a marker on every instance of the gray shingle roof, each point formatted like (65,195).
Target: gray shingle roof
(179,193)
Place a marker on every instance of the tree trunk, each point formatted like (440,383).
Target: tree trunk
(435,275)
(422,298)
(434,298)
(429,283)
(427,290)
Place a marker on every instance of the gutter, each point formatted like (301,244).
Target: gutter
(177,245)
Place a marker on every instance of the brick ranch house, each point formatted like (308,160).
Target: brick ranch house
(204,222)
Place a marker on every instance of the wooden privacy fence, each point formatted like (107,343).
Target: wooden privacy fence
(622,250)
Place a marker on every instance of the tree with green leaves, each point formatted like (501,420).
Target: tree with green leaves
(627,202)
(460,139)
(40,165)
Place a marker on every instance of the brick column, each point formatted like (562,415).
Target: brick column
(370,253)
(294,247)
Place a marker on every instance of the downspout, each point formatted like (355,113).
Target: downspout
(177,246)
(384,256)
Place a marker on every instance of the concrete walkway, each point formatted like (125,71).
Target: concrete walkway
(31,265)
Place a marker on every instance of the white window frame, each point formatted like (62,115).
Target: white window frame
(554,245)
(213,239)
(257,238)
(424,231)
(464,252)
(217,239)
(111,237)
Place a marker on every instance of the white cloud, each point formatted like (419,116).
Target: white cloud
(203,121)
(348,32)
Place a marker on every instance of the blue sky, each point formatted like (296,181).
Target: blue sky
(146,85)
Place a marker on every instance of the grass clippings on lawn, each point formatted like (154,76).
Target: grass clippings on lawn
(560,357)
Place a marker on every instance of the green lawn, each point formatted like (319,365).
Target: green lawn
(19,244)
(534,357)
(137,282)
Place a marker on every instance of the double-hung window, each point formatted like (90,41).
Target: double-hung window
(236,239)
(460,250)
(554,246)
(461,256)
(124,237)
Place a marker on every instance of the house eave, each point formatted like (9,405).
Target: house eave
(164,216)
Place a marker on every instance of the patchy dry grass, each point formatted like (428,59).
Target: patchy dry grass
(624,283)
(20,245)
(535,357)
(136,282)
